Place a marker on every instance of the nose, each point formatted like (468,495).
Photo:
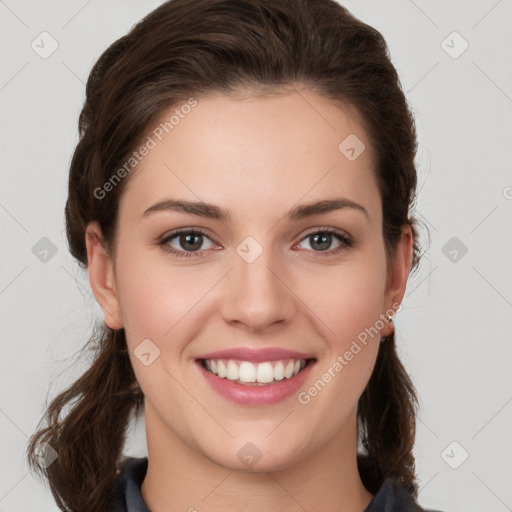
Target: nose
(258,295)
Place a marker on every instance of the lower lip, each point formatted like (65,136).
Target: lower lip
(256,395)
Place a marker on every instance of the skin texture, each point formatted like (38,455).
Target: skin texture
(258,156)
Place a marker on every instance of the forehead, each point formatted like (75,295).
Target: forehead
(244,151)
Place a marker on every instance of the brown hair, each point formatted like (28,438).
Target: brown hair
(185,49)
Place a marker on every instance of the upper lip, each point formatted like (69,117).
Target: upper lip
(256,354)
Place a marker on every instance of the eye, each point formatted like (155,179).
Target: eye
(321,240)
(185,242)
(190,242)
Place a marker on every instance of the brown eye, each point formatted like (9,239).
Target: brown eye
(185,243)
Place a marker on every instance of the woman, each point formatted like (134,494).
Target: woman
(241,196)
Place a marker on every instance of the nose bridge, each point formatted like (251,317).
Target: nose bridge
(257,295)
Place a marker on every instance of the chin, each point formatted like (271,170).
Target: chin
(256,456)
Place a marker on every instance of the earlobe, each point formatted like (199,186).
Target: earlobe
(101,276)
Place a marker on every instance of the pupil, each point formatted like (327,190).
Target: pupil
(185,239)
(323,240)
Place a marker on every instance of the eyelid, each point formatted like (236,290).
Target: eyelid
(180,231)
(327,229)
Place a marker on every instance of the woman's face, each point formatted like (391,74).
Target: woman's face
(267,276)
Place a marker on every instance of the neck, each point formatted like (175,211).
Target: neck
(181,479)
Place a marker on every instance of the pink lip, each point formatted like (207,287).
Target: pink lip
(256,395)
(256,355)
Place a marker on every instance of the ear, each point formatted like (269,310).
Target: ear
(398,272)
(101,276)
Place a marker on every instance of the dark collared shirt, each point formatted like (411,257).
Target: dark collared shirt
(391,497)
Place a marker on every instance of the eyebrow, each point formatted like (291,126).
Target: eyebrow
(211,211)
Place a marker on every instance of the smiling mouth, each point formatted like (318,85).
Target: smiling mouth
(255,374)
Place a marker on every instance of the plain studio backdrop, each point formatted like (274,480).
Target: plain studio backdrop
(454,329)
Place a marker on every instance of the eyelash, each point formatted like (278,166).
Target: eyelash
(346,241)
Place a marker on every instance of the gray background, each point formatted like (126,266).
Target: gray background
(454,328)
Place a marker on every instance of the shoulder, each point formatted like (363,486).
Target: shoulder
(392,497)
(126,495)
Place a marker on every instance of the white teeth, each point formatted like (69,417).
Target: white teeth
(246,373)
(288,371)
(221,369)
(260,373)
(279,371)
(233,372)
(265,372)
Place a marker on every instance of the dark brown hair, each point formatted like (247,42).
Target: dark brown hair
(191,48)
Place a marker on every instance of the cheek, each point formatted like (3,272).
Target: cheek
(347,299)
(157,304)
(153,297)
(348,303)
